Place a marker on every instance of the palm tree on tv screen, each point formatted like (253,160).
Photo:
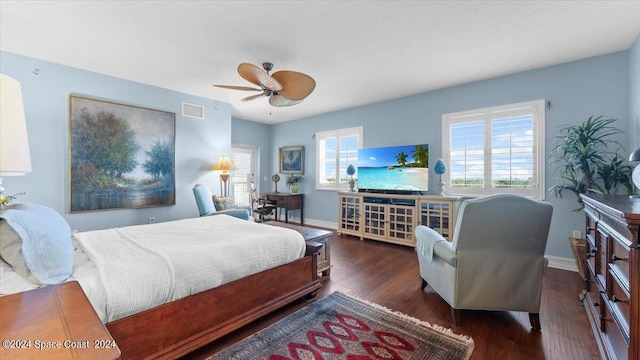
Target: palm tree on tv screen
(421,155)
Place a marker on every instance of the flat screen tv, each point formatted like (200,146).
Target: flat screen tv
(394,169)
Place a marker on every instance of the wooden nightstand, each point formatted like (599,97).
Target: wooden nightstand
(54,322)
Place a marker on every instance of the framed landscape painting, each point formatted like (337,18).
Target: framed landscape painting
(292,160)
(121,156)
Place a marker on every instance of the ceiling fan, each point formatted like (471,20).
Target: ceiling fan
(284,88)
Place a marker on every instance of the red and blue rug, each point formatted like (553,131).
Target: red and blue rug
(341,327)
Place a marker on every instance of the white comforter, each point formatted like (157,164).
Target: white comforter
(139,267)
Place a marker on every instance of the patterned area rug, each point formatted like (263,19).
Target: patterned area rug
(341,327)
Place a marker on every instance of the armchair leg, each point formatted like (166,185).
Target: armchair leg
(424,284)
(534,319)
(455,316)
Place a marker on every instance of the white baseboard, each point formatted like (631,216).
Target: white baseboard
(555,262)
(562,263)
(321,223)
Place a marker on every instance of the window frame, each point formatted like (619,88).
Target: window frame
(486,115)
(334,134)
(252,151)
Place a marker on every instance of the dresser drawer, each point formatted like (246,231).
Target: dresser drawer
(619,260)
(602,258)
(592,297)
(592,252)
(618,301)
(614,340)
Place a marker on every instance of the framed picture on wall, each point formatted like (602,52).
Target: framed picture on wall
(121,156)
(292,160)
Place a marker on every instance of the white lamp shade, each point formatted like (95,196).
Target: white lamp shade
(15,158)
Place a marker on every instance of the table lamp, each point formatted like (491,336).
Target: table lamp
(15,158)
(224,164)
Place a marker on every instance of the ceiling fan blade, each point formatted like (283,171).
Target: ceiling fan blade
(295,85)
(257,76)
(281,101)
(252,97)
(233,87)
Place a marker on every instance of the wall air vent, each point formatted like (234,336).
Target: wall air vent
(193,110)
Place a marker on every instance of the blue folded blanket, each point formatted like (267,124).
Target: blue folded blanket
(46,241)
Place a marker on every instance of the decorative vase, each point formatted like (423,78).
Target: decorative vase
(441,186)
(352,183)
(294,188)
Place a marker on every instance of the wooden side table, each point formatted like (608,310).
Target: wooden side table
(53,322)
(287,201)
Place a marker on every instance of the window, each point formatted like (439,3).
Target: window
(495,150)
(335,150)
(245,160)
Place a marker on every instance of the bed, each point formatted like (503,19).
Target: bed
(192,280)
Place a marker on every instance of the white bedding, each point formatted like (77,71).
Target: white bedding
(131,269)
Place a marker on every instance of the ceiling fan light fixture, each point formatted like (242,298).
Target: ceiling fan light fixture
(278,100)
(267,66)
(284,88)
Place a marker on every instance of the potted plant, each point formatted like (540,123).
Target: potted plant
(351,170)
(293,181)
(587,155)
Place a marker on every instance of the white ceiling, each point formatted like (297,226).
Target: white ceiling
(359,52)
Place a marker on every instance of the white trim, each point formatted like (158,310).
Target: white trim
(486,116)
(562,263)
(333,134)
(321,223)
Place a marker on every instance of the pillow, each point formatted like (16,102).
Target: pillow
(11,282)
(43,242)
(11,250)
(224,203)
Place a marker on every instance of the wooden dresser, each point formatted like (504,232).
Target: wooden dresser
(612,290)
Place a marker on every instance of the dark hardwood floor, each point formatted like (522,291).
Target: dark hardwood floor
(388,275)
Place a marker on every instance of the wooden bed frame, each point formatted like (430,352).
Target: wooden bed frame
(179,327)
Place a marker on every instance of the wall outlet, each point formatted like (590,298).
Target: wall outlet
(577,234)
(152,220)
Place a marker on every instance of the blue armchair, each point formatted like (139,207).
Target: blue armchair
(496,257)
(206,206)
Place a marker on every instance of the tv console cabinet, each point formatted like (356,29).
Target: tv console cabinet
(612,290)
(393,218)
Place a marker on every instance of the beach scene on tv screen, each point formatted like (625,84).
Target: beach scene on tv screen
(394,168)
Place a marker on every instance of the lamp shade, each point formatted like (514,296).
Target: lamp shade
(635,156)
(15,158)
(224,163)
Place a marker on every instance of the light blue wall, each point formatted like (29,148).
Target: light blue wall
(249,133)
(599,85)
(46,97)
(577,90)
(634,94)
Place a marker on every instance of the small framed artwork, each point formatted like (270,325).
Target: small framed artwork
(292,160)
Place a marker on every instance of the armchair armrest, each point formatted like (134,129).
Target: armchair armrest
(444,250)
(239,213)
(430,244)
